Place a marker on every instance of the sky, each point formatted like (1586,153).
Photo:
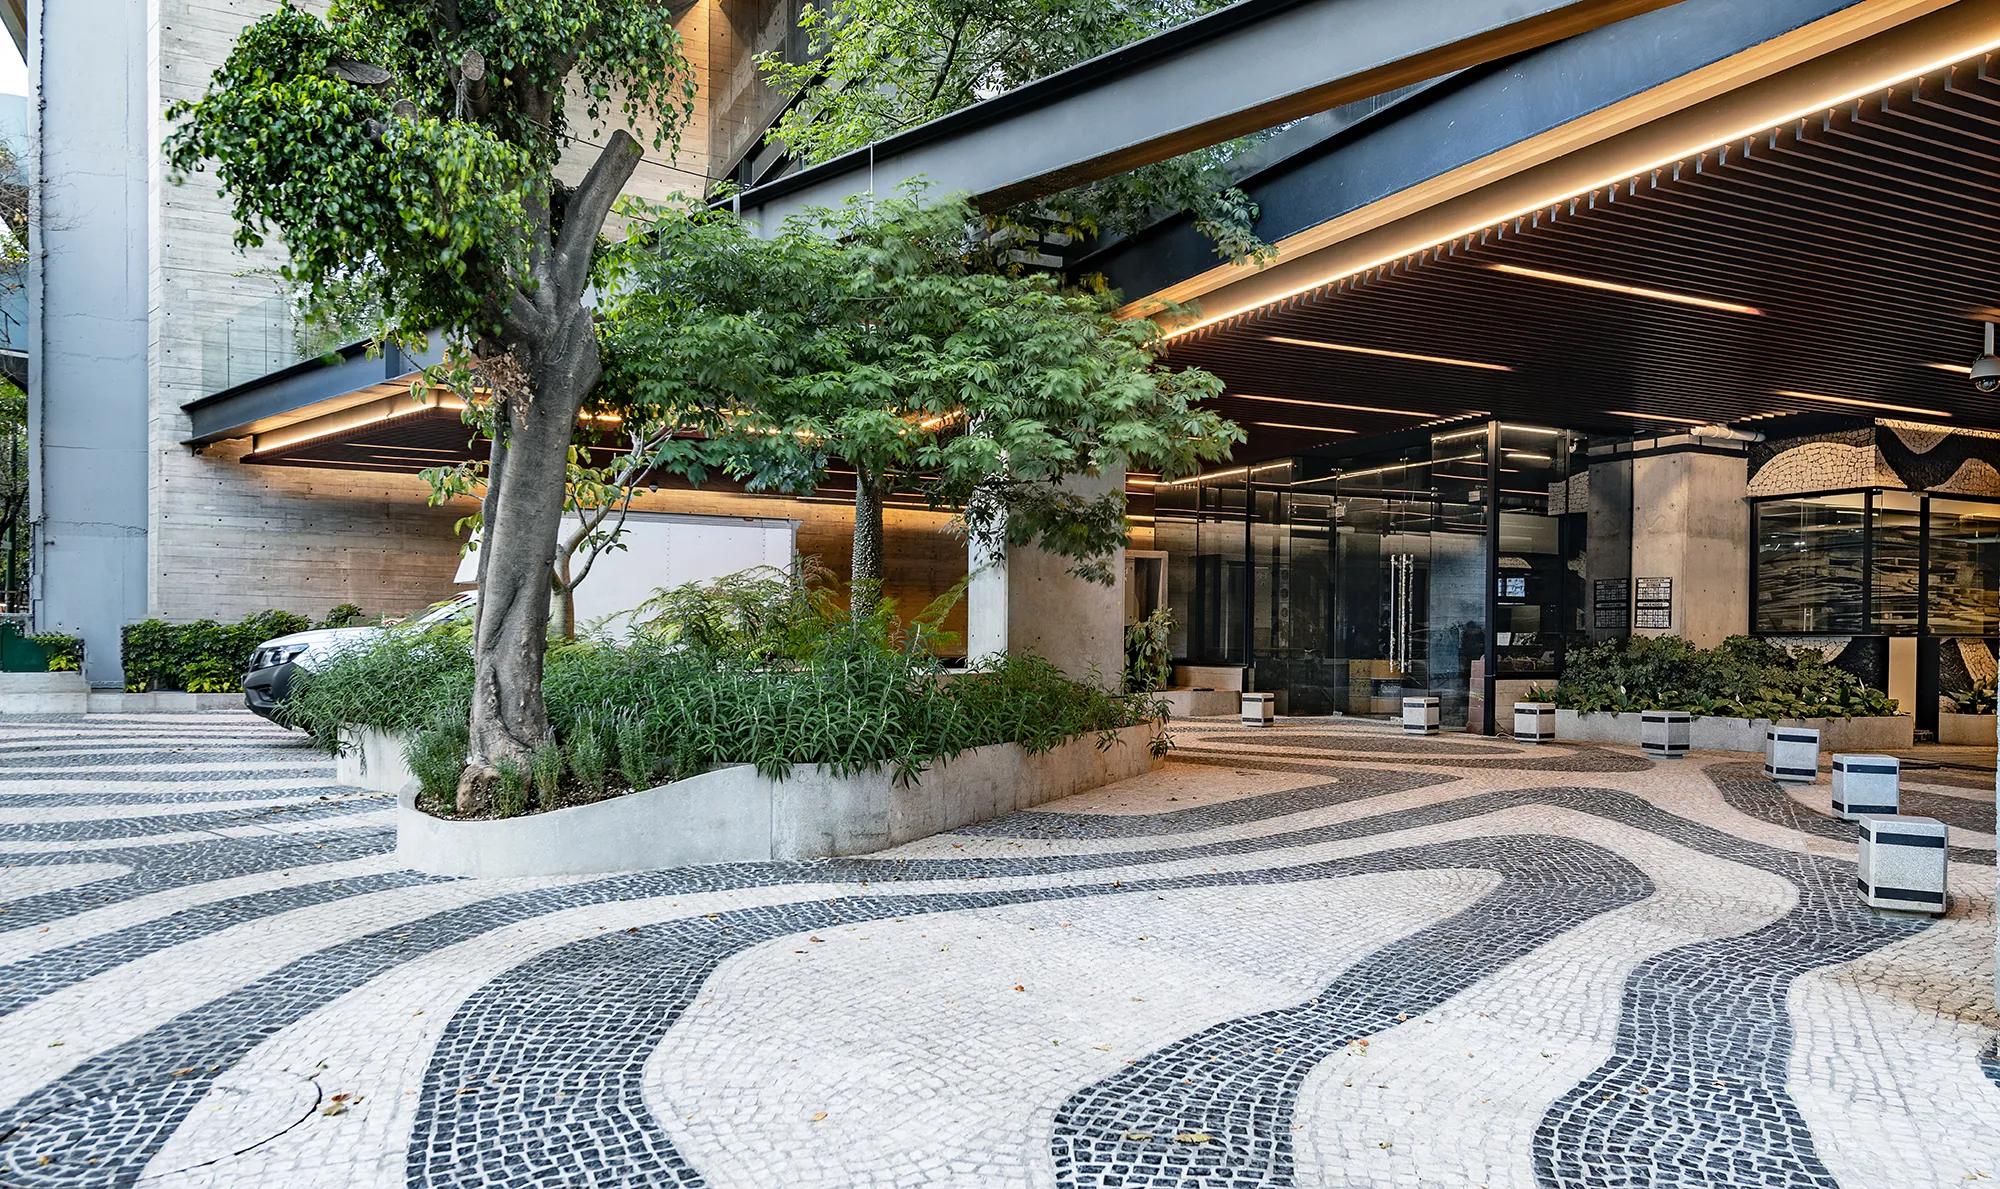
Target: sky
(13,71)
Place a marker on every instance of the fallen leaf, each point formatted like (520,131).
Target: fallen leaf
(1193,1137)
(818,1115)
(1019,987)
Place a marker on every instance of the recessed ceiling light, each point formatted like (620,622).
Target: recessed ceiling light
(1686,299)
(1327,404)
(1865,404)
(1378,352)
(1289,425)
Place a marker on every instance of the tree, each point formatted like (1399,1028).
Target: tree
(409,147)
(597,491)
(878,67)
(13,496)
(871,335)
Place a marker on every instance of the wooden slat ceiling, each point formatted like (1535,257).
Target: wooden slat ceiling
(1866,237)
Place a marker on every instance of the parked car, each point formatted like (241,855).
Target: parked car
(276,662)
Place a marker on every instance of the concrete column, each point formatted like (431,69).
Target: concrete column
(1027,601)
(1608,543)
(1690,524)
(87,292)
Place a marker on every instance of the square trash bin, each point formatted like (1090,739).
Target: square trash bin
(1865,785)
(1420,716)
(1534,722)
(1791,753)
(1902,863)
(1665,733)
(1260,710)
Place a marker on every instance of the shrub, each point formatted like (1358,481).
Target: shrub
(855,697)
(1149,657)
(346,615)
(200,657)
(1742,678)
(1977,700)
(545,764)
(65,653)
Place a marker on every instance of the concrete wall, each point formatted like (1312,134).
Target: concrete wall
(1028,602)
(88,256)
(1689,523)
(215,537)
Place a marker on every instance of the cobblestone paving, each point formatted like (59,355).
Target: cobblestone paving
(1324,954)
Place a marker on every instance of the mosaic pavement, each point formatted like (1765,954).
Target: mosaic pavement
(1319,955)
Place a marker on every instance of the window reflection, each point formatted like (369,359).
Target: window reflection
(1809,564)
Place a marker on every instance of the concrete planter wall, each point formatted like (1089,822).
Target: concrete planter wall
(373,760)
(43,693)
(1965,730)
(735,815)
(1714,733)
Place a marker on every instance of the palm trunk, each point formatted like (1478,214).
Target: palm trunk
(865,576)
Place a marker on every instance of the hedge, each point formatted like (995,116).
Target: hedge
(207,657)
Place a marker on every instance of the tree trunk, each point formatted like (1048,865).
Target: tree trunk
(865,576)
(509,719)
(550,328)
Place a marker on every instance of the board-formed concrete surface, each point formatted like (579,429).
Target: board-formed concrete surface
(1323,954)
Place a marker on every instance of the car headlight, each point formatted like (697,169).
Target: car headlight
(265,658)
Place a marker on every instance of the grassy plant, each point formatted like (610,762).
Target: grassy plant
(545,764)
(637,761)
(510,799)
(589,758)
(436,755)
(858,696)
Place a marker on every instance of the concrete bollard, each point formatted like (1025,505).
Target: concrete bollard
(1534,722)
(1420,716)
(1902,863)
(1260,710)
(1791,753)
(1664,733)
(1866,785)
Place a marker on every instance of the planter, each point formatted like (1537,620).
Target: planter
(373,760)
(735,815)
(1965,730)
(1714,733)
(1200,703)
(44,693)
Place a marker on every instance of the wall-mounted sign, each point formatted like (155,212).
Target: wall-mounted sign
(1653,607)
(1610,603)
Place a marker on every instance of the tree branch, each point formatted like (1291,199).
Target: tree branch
(589,205)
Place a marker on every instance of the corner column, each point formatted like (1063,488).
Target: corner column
(1024,600)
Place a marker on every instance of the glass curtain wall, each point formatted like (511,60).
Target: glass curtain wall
(1349,580)
(1887,564)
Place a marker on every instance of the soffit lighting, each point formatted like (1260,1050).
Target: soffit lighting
(1863,404)
(1327,404)
(1686,299)
(1289,425)
(1380,353)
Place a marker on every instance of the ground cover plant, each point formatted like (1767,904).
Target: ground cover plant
(756,669)
(1741,678)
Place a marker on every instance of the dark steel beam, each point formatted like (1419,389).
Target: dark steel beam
(248,407)
(1463,120)
(1251,66)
